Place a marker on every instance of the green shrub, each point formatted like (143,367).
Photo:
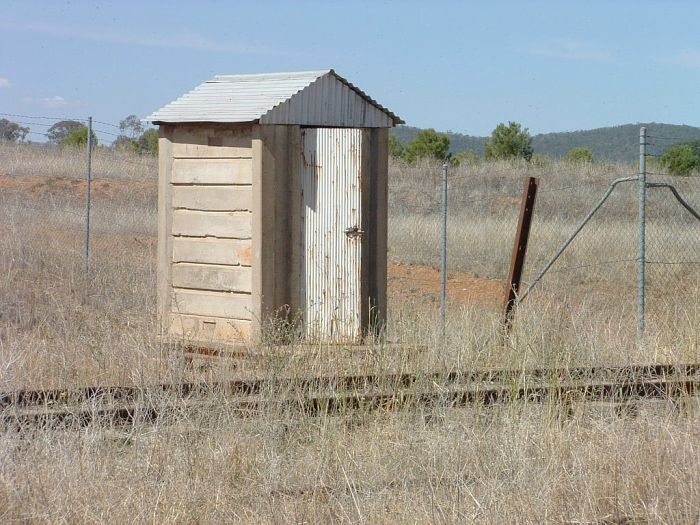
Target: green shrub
(60,130)
(428,143)
(680,160)
(579,156)
(78,137)
(508,142)
(147,143)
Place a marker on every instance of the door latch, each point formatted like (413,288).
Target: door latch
(354,232)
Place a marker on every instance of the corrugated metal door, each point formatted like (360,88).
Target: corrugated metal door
(332,233)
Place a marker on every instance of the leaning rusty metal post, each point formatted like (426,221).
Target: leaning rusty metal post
(520,247)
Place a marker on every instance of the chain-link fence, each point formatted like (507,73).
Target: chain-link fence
(57,324)
(672,279)
(591,291)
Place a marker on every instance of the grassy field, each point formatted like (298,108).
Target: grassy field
(59,327)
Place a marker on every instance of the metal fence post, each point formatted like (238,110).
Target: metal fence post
(517,261)
(642,232)
(86,255)
(443,252)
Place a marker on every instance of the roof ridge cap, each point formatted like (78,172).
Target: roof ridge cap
(226,77)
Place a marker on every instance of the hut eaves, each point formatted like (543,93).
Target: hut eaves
(317,98)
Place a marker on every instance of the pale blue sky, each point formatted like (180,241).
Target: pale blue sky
(460,66)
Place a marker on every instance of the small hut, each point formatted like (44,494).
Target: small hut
(272,204)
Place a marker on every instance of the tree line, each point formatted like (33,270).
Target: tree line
(513,141)
(133,135)
(507,141)
(611,143)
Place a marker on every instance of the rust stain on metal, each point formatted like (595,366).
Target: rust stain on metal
(308,164)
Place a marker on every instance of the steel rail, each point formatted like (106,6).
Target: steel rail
(563,394)
(251,386)
(331,393)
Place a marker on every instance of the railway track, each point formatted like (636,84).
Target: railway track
(340,394)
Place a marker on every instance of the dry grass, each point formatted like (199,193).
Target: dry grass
(509,464)
(515,464)
(71,163)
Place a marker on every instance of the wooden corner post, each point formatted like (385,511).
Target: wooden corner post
(522,234)
(165,228)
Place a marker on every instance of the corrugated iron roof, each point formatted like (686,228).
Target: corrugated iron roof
(249,98)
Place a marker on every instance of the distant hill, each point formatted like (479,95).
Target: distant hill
(619,143)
